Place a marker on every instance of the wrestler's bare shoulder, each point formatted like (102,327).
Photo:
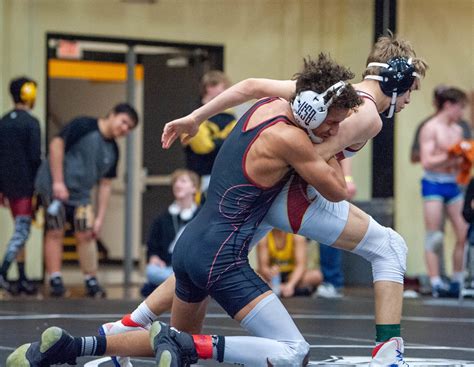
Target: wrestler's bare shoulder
(360,126)
(284,135)
(369,115)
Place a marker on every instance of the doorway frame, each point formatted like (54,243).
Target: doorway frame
(214,51)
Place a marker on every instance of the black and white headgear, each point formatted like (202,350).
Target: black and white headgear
(395,77)
(310,109)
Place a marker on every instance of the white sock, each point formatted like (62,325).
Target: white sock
(56,274)
(143,315)
(436,281)
(458,276)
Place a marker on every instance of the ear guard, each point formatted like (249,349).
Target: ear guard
(396,77)
(310,109)
(28,93)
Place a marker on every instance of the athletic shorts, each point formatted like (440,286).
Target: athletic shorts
(21,206)
(222,272)
(80,218)
(447,192)
(300,209)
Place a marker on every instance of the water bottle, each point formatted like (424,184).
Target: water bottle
(276,283)
(54,207)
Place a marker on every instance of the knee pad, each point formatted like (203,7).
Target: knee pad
(434,240)
(386,250)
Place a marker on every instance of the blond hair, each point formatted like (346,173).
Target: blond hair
(388,47)
(213,78)
(185,172)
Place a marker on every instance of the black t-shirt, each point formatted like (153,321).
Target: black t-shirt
(163,232)
(20,153)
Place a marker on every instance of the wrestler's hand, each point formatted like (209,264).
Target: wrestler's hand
(351,190)
(184,127)
(60,191)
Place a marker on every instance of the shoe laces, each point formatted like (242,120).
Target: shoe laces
(400,359)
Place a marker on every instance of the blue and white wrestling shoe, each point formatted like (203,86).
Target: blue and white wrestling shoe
(123,325)
(389,354)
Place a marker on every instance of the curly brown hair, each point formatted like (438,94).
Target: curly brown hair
(318,75)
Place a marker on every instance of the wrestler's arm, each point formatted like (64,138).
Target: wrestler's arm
(296,149)
(354,131)
(237,94)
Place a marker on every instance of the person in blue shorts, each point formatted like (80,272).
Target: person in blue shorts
(440,189)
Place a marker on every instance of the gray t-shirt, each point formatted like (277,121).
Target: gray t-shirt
(88,157)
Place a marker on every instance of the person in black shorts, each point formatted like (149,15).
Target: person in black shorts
(82,155)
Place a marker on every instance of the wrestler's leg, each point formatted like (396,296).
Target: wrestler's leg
(386,251)
(277,341)
(188,317)
(133,344)
(57,346)
(345,226)
(161,299)
(141,318)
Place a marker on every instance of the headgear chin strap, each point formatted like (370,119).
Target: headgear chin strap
(395,77)
(310,109)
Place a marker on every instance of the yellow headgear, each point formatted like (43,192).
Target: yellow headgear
(28,93)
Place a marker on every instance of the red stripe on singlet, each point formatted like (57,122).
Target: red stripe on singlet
(297,202)
(366,96)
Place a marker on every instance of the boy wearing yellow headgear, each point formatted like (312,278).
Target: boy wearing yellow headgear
(20,157)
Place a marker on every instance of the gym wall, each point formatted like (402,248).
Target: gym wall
(264,38)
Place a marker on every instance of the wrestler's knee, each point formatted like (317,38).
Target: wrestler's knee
(400,249)
(386,250)
(390,264)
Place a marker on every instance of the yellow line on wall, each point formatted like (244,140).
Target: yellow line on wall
(91,70)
